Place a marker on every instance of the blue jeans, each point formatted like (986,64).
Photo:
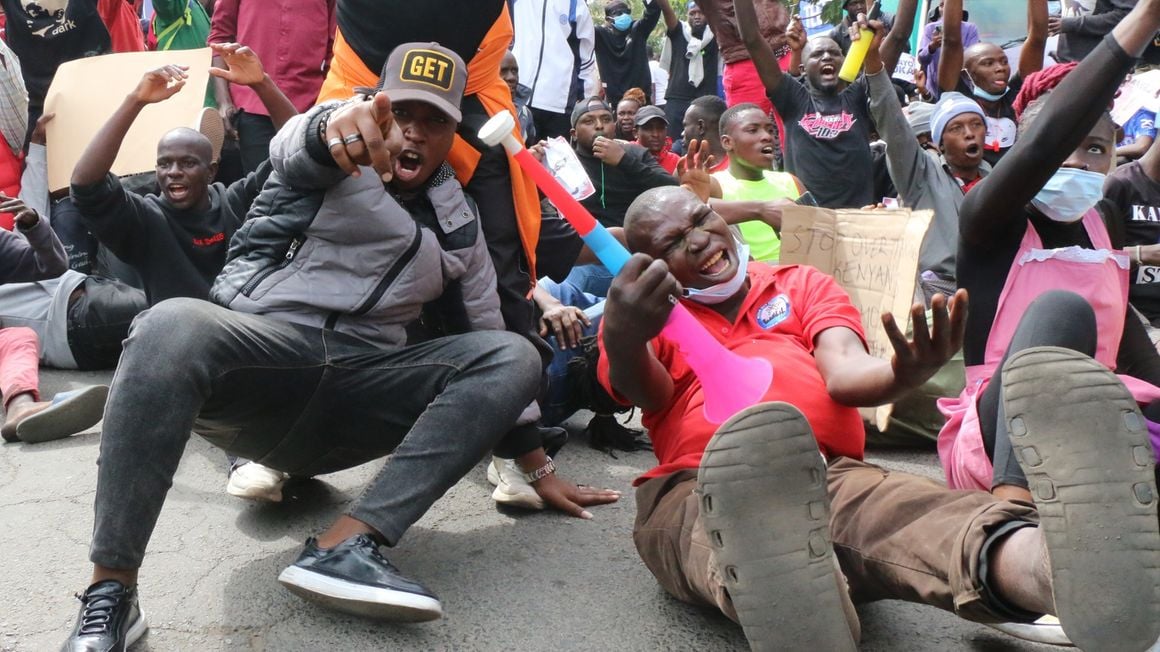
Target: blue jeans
(557,404)
(591,279)
(301,400)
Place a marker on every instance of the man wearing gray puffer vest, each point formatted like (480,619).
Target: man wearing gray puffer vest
(360,230)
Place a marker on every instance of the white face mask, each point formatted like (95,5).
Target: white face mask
(1069,193)
(715,294)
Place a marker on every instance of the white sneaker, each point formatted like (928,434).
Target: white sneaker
(1045,630)
(510,486)
(256,482)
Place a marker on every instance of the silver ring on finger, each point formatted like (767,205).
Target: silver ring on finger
(673,299)
(352,138)
(330,144)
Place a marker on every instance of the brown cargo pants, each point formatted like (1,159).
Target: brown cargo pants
(895,535)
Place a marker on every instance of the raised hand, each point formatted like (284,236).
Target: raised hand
(796,35)
(160,84)
(916,360)
(243,67)
(693,169)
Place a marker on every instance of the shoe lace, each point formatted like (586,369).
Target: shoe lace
(97,616)
(372,548)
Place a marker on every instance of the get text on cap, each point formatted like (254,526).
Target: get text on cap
(427,72)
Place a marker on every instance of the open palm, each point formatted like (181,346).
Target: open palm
(160,84)
(243,67)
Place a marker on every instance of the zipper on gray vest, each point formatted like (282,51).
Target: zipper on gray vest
(257,279)
(391,275)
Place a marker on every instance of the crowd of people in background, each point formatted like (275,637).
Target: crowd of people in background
(336,268)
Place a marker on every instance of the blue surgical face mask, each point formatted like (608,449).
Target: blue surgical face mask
(978,91)
(1069,193)
(622,22)
(715,294)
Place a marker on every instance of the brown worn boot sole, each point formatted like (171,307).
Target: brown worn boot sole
(765,509)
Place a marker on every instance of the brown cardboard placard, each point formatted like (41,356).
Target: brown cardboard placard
(86,92)
(873,255)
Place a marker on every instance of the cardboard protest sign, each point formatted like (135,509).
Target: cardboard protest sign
(873,255)
(86,92)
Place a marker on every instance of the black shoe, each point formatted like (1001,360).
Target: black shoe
(354,577)
(110,620)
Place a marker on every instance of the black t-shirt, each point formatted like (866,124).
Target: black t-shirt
(43,39)
(178,253)
(1135,198)
(828,141)
(622,57)
(374,28)
(679,86)
(1001,119)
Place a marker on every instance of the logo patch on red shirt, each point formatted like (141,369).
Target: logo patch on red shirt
(827,127)
(775,311)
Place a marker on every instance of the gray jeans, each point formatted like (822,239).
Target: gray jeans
(302,400)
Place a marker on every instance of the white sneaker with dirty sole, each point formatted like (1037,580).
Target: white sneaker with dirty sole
(511,488)
(256,482)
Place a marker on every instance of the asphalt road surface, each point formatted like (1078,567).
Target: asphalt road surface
(507,580)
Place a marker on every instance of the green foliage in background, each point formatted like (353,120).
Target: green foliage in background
(832,13)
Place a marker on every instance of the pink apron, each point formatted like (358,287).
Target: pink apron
(1099,275)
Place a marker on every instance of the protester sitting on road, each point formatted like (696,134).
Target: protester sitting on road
(702,122)
(79,319)
(982,71)
(1043,269)
(652,134)
(176,241)
(827,120)
(750,519)
(318,307)
(748,137)
(34,254)
(1132,195)
(956,128)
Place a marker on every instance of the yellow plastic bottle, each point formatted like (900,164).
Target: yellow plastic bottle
(856,56)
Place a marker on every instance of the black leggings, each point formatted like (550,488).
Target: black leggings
(1056,318)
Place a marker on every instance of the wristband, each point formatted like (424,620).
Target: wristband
(542,472)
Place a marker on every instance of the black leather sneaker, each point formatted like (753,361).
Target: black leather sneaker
(354,577)
(109,621)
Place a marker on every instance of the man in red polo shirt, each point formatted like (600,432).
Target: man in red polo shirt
(294,39)
(749,519)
